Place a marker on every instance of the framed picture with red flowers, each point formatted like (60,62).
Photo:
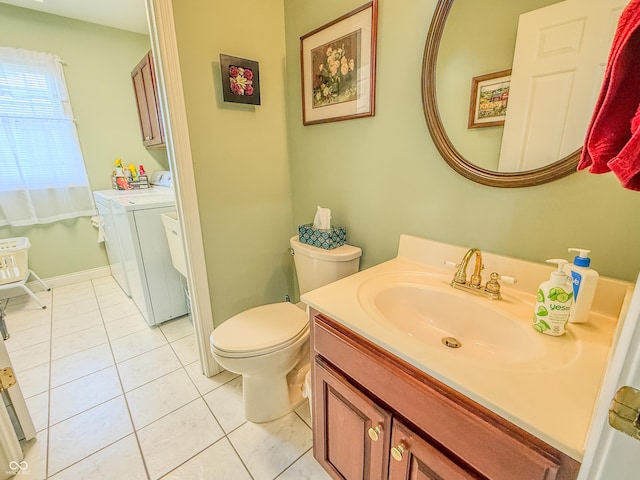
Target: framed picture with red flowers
(338,66)
(240,80)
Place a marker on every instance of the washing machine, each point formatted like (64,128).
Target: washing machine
(137,248)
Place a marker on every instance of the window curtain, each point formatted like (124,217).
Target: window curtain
(43,178)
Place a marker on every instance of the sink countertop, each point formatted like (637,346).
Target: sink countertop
(553,403)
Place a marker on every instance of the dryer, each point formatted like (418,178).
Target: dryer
(138,250)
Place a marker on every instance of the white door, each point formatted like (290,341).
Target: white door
(559,61)
(11,456)
(611,454)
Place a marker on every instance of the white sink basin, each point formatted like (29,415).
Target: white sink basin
(426,309)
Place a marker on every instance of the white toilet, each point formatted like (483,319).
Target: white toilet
(269,345)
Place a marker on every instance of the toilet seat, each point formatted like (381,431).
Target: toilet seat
(260,330)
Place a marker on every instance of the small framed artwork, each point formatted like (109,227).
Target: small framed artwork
(338,66)
(240,80)
(489,98)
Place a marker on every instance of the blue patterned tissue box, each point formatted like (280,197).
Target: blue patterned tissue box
(327,239)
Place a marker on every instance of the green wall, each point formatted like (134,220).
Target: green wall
(382,176)
(239,151)
(98,63)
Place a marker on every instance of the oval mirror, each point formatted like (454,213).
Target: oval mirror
(483,57)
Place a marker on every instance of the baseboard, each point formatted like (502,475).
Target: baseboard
(71,278)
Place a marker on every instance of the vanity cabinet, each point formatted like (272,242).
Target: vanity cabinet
(378,417)
(146,94)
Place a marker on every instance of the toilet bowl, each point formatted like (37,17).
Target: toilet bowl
(264,344)
(269,345)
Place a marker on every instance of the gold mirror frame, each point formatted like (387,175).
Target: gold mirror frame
(464,167)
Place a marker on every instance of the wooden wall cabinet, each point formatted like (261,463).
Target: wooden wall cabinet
(146,93)
(377,417)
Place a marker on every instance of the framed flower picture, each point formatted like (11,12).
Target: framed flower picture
(338,63)
(240,80)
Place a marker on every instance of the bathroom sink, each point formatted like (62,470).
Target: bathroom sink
(425,309)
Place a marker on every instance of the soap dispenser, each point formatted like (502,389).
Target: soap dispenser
(553,304)
(584,281)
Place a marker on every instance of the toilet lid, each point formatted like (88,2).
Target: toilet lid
(260,330)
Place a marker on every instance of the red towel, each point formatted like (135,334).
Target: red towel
(613,138)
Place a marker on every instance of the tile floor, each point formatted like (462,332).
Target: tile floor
(112,398)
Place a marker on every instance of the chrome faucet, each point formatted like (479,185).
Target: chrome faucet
(491,290)
(460,277)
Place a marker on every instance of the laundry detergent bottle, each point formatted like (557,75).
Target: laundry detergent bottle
(553,303)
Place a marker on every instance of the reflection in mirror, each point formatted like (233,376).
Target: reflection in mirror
(541,137)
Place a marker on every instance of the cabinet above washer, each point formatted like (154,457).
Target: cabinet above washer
(145,89)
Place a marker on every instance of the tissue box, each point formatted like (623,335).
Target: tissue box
(327,239)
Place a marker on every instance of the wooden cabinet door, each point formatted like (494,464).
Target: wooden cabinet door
(145,89)
(413,458)
(351,435)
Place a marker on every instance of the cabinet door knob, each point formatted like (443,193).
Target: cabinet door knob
(148,137)
(374,433)
(397,451)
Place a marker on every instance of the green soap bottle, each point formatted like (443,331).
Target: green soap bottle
(553,304)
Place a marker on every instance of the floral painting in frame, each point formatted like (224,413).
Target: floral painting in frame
(240,80)
(338,68)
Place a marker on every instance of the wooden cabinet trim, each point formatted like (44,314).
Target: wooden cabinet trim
(488,443)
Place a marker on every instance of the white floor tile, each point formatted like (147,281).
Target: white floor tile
(24,303)
(28,337)
(137,343)
(177,437)
(80,364)
(160,397)
(75,324)
(106,280)
(86,305)
(304,412)
(34,380)
(86,433)
(227,405)
(38,407)
(306,468)
(30,357)
(24,320)
(125,326)
(72,296)
(77,342)
(207,384)
(72,287)
(84,393)
(114,297)
(35,456)
(120,460)
(186,349)
(269,448)
(146,367)
(119,310)
(217,461)
(177,328)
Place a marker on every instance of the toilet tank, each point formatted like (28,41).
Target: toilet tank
(316,267)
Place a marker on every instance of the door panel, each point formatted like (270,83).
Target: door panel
(353,441)
(611,454)
(415,459)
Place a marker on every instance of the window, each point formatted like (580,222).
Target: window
(42,173)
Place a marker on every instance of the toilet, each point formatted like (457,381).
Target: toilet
(269,345)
